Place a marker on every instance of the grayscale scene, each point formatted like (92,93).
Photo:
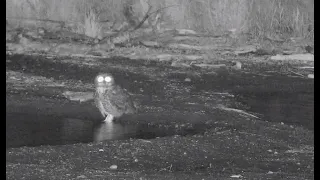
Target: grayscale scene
(160,89)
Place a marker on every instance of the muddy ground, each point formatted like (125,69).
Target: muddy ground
(187,127)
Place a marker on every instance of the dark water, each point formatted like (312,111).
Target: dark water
(33,121)
(24,129)
(35,130)
(280,99)
(289,108)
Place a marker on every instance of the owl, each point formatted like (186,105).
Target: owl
(111,100)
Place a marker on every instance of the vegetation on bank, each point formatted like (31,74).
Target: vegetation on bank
(259,18)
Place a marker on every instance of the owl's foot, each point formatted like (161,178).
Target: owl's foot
(109,118)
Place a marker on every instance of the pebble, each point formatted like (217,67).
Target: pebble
(235,176)
(311,76)
(113,167)
(237,65)
(82,177)
(187,80)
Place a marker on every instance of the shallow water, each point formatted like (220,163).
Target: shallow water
(37,129)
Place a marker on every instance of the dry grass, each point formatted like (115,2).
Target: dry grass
(285,17)
(208,15)
(91,26)
(259,17)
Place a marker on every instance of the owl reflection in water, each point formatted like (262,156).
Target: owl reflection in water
(111,100)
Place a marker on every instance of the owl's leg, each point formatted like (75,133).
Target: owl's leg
(100,107)
(109,118)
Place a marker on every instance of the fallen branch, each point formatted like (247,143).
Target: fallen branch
(191,47)
(146,16)
(239,111)
(212,66)
(224,94)
(34,19)
(296,73)
(169,57)
(306,67)
(78,96)
(245,50)
(152,44)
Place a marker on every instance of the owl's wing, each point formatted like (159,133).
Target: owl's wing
(121,99)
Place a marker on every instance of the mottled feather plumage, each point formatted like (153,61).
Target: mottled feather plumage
(112,99)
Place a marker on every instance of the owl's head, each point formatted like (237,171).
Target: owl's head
(104,80)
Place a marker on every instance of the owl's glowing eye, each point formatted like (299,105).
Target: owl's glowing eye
(108,79)
(100,79)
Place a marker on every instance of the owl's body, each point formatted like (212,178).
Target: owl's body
(111,100)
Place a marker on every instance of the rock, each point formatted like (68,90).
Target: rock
(302,57)
(78,96)
(41,31)
(237,65)
(236,176)
(10,36)
(113,167)
(179,64)
(150,43)
(82,177)
(245,50)
(309,49)
(164,57)
(187,80)
(33,34)
(311,76)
